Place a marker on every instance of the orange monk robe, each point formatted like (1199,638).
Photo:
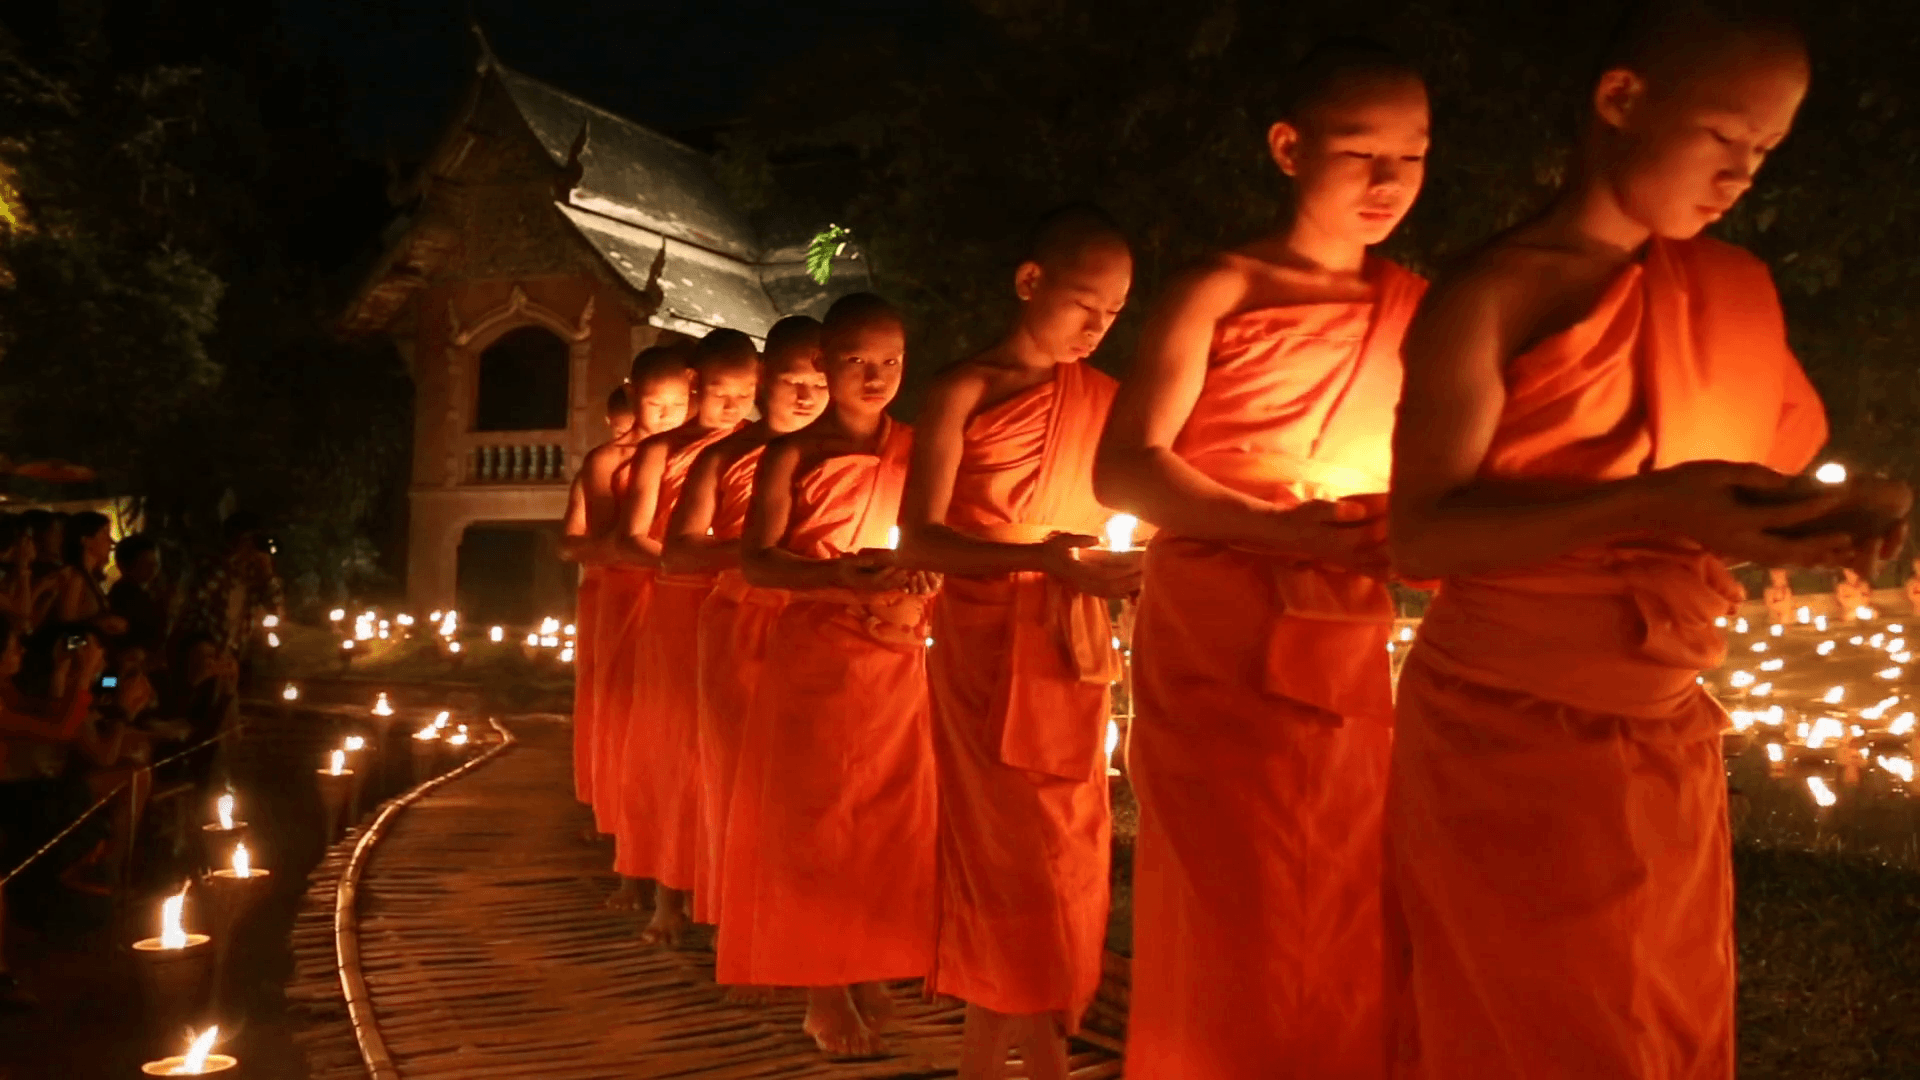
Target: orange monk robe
(1019,721)
(586,663)
(732,646)
(1559,816)
(835,798)
(660,815)
(623,604)
(1264,720)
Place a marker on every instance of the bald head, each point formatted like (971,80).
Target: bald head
(1069,233)
(856,312)
(793,344)
(1338,70)
(661,384)
(669,361)
(1669,41)
(725,352)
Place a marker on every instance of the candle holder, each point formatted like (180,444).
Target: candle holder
(225,1066)
(217,844)
(175,982)
(230,899)
(335,789)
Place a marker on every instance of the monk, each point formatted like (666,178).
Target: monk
(1000,501)
(703,541)
(659,795)
(1253,430)
(590,512)
(1600,411)
(1851,594)
(831,886)
(1778,596)
(662,384)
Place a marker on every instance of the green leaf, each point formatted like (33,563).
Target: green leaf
(823,248)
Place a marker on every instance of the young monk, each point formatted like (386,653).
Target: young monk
(1000,500)
(1253,430)
(703,541)
(1597,407)
(590,511)
(661,383)
(833,887)
(659,797)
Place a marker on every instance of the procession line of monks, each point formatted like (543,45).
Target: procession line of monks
(866,762)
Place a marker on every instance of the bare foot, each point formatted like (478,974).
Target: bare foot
(874,1003)
(836,1026)
(626,897)
(751,995)
(669,923)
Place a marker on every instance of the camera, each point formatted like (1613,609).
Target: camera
(109,682)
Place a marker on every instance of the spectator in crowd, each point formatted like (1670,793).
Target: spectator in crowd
(80,594)
(141,597)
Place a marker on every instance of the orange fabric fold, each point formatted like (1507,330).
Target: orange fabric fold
(1263,727)
(1019,674)
(829,862)
(732,634)
(588,644)
(1558,824)
(623,604)
(660,799)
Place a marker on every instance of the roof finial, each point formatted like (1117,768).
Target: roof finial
(485,61)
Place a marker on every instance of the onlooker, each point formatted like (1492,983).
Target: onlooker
(140,597)
(80,604)
(232,590)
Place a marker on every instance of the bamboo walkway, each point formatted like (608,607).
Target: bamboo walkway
(486,954)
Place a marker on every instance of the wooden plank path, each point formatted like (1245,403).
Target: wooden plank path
(487,954)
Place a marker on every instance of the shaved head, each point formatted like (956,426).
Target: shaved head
(618,402)
(1066,234)
(661,362)
(725,352)
(1335,70)
(1668,40)
(794,342)
(858,311)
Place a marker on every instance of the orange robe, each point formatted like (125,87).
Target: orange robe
(586,663)
(1019,721)
(732,647)
(660,815)
(623,604)
(1558,823)
(1264,720)
(835,789)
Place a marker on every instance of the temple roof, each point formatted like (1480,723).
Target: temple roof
(649,206)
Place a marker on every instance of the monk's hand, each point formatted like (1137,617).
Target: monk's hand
(1749,513)
(870,570)
(1060,558)
(1351,535)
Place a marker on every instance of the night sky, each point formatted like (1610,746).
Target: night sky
(673,64)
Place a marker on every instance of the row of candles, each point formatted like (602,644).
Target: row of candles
(368,626)
(178,965)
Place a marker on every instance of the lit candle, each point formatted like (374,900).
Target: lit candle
(273,640)
(347,645)
(533,641)
(496,635)
(1804,615)
(893,537)
(173,934)
(291,693)
(453,647)
(336,615)
(223,806)
(440,720)
(199,1060)
(1831,473)
(1822,794)
(382,707)
(242,861)
(1834,695)
(355,744)
(427,734)
(1119,532)
(337,763)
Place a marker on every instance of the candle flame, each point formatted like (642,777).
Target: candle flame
(497,634)
(1775,752)
(454,647)
(1898,766)
(242,861)
(336,614)
(291,693)
(440,720)
(1119,531)
(1820,623)
(1822,794)
(195,1063)
(1776,629)
(533,640)
(1823,648)
(338,763)
(1902,724)
(1113,738)
(173,934)
(1824,730)
(1831,473)
(893,537)
(1834,695)
(1804,614)
(224,807)
(355,743)
(1863,612)
(458,738)
(549,625)
(427,734)
(383,707)
(347,645)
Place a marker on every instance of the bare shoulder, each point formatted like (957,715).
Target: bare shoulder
(1216,286)
(1513,291)
(960,386)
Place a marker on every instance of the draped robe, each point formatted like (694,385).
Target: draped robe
(1019,725)
(835,787)
(587,613)
(1264,720)
(625,593)
(1558,821)
(660,797)
(732,631)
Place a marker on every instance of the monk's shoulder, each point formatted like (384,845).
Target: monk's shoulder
(961,385)
(1516,292)
(1727,261)
(1219,283)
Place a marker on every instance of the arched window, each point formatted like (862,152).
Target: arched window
(523,382)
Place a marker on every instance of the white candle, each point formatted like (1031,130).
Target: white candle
(1119,531)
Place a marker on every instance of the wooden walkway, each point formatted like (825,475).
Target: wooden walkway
(487,954)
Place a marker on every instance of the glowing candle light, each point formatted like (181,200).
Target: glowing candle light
(1776,752)
(1834,695)
(1888,673)
(1774,715)
(435,617)
(291,693)
(551,641)
(1898,766)
(1776,629)
(1119,530)
(1720,621)
(173,932)
(270,621)
(533,640)
(1741,718)
(1803,615)
(454,647)
(893,537)
(1824,730)
(273,640)
(1856,640)
(347,645)
(458,738)
(427,734)
(496,635)
(1820,623)
(1774,664)
(336,615)
(383,707)
(1831,473)
(242,861)
(440,719)
(1759,646)
(1113,738)
(568,630)
(355,744)
(403,620)
(223,806)
(1406,633)
(1863,612)
(1822,794)
(549,625)
(337,763)
(1739,679)
(1823,648)
(566,655)
(1762,690)
(1877,640)
(1902,725)
(1740,626)
(1896,628)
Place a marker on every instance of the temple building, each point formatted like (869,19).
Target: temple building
(543,243)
